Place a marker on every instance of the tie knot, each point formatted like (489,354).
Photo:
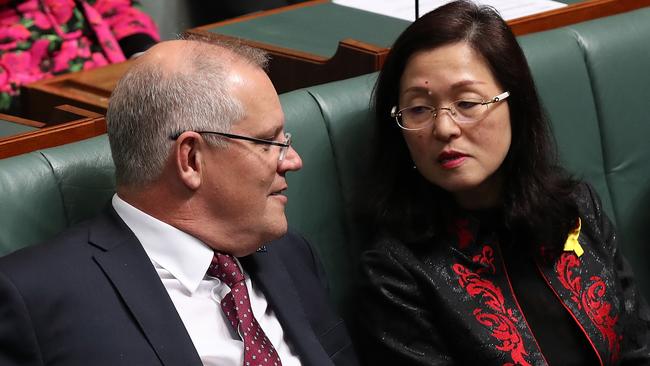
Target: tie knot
(225,268)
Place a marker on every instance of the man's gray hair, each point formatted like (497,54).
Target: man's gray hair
(149,105)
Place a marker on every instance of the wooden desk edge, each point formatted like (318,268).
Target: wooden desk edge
(52,136)
(572,14)
(21,121)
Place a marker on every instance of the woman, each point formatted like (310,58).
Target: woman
(490,254)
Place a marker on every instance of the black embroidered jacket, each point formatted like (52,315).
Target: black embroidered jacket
(451,302)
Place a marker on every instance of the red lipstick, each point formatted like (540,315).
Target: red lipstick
(451,159)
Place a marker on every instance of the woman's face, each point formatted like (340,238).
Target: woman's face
(461,159)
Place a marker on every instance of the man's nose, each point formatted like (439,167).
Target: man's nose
(291,161)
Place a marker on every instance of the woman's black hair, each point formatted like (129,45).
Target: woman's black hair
(537,201)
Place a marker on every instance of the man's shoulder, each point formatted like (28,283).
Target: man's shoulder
(64,249)
(290,242)
(295,253)
(293,248)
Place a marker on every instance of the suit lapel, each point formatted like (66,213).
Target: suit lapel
(269,272)
(130,270)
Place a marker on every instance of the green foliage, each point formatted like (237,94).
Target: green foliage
(5,101)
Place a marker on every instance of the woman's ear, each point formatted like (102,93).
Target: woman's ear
(188,154)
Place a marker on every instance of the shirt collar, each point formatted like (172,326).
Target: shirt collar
(184,256)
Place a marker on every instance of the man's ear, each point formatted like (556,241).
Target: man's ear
(188,154)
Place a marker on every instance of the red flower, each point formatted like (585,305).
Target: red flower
(61,10)
(39,51)
(8,16)
(31,10)
(11,35)
(24,67)
(97,60)
(5,87)
(105,7)
(125,20)
(67,53)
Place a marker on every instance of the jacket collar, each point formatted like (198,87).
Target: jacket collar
(267,269)
(131,272)
(585,296)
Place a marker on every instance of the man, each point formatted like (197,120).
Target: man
(197,135)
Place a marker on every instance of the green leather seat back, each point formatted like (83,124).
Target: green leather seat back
(563,83)
(350,124)
(593,80)
(85,176)
(617,54)
(44,192)
(345,109)
(31,208)
(314,207)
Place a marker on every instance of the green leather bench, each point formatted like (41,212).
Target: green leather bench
(593,80)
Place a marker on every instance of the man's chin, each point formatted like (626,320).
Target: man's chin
(277,229)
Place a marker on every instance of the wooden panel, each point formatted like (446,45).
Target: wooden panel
(21,121)
(325,59)
(88,89)
(574,13)
(81,124)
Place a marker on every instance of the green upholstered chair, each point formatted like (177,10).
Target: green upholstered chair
(593,79)
(45,191)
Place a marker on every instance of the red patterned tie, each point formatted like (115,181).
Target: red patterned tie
(258,349)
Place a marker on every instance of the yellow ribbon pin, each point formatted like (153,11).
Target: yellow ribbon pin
(571,244)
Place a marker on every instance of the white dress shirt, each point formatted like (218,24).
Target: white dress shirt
(181,261)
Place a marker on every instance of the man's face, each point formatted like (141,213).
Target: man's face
(245,182)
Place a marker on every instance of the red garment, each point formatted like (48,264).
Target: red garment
(41,38)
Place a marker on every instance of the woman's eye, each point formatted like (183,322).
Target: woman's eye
(418,110)
(467,104)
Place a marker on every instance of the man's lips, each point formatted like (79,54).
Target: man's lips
(279,195)
(278,192)
(451,159)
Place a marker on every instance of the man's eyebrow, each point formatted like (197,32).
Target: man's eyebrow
(276,131)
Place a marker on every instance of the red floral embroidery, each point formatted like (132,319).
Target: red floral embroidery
(498,318)
(590,300)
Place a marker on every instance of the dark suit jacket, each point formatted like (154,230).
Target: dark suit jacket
(92,297)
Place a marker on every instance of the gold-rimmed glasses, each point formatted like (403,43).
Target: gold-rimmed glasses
(465,111)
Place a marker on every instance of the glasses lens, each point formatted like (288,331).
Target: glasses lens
(283,149)
(416,117)
(469,110)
